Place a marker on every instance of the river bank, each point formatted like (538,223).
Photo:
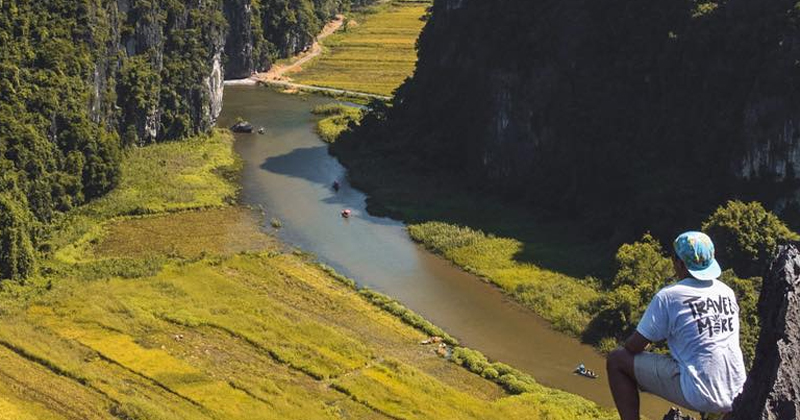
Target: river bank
(288,172)
(164,300)
(545,263)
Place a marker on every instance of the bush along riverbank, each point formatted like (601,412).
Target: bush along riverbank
(580,284)
(337,118)
(164,300)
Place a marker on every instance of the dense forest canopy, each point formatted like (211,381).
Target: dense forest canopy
(633,116)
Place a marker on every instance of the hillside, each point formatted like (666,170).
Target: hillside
(190,312)
(630,117)
(82,81)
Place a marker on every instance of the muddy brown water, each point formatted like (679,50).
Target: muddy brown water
(288,172)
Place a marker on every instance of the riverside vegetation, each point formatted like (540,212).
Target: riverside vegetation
(336,119)
(162,300)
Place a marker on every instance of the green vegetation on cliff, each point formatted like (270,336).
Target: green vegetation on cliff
(63,109)
(137,316)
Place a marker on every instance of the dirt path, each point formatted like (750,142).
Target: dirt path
(277,75)
(278,71)
(291,87)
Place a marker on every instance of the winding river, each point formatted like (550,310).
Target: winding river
(288,172)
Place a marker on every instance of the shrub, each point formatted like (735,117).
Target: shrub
(642,265)
(441,237)
(513,380)
(746,235)
(513,385)
(490,373)
(642,271)
(471,359)
(408,316)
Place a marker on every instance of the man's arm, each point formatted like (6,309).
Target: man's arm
(636,343)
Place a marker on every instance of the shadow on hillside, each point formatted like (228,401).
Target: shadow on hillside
(413,196)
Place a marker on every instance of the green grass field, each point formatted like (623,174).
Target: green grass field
(163,301)
(336,119)
(563,300)
(374,55)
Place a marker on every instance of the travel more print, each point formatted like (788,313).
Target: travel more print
(715,316)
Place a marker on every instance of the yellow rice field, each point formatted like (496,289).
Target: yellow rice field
(375,54)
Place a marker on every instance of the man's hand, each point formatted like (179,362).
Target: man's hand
(636,343)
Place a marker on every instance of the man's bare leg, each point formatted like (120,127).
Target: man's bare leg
(622,381)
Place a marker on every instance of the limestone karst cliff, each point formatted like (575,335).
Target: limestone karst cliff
(262,31)
(609,110)
(773,384)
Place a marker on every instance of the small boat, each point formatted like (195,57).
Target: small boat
(346,213)
(242,127)
(582,371)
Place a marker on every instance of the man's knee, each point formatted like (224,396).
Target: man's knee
(620,359)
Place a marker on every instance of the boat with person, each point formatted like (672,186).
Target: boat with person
(582,371)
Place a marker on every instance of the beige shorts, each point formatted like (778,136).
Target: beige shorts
(660,374)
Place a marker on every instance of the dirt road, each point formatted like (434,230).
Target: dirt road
(278,71)
(277,75)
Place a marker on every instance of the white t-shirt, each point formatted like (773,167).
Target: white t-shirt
(700,321)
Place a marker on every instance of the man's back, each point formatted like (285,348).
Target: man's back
(700,321)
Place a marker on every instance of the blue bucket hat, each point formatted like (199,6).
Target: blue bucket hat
(696,251)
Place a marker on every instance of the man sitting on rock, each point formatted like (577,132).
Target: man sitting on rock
(699,318)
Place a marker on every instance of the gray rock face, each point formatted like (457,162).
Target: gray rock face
(239,43)
(772,390)
(148,37)
(137,29)
(160,66)
(215,83)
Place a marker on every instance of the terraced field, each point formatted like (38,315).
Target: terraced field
(375,54)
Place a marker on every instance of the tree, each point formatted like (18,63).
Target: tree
(17,258)
(642,265)
(747,292)
(642,269)
(746,235)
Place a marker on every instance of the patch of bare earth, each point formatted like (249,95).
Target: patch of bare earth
(223,231)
